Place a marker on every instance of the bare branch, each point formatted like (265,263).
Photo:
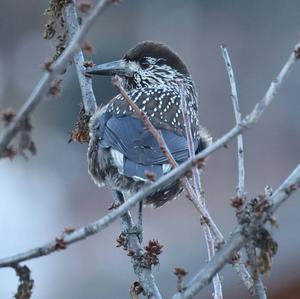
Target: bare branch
(241,191)
(144,274)
(89,100)
(131,233)
(238,119)
(237,240)
(211,242)
(43,85)
(261,106)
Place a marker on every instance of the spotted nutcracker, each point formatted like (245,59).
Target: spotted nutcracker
(121,150)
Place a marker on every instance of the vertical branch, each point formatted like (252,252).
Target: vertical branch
(88,97)
(144,274)
(238,119)
(136,252)
(253,282)
(211,242)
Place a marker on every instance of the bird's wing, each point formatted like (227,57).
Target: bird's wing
(124,132)
(141,151)
(161,105)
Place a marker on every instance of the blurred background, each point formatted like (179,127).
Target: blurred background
(52,190)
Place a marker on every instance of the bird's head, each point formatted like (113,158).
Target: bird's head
(147,64)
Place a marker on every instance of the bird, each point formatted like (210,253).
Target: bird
(122,152)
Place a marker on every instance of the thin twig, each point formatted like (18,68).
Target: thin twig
(163,146)
(43,85)
(211,242)
(237,240)
(238,119)
(241,191)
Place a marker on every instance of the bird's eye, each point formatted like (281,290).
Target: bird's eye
(161,61)
(144,64)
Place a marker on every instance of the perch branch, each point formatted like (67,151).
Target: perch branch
(43,85)
(144,274)
(237,240)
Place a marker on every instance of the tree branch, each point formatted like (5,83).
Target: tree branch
(136,251)
(241,192)
(211,242)
(144,274)
(238,119)
(88,97)
(43,85)
(237,240)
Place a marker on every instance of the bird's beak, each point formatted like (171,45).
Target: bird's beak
(119,67)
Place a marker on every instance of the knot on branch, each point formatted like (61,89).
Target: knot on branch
(24,142)
(114,205)
(150,175)
(7,115)
(180,273)
(54,89)
(266,248)
(80,132)
(60,243)
(47,65)
(152,251)
(88,48)
(136,289)
(84,5)
(235,258)
(25,282)
(122,241)
(237,202)
(297,52)
(251,219)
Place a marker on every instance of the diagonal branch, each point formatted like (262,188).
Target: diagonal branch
(144,274)
(43,85)
(237,240)
(88,97)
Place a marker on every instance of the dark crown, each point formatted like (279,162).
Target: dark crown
(156,50)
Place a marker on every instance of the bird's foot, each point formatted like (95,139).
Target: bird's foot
(135,230)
